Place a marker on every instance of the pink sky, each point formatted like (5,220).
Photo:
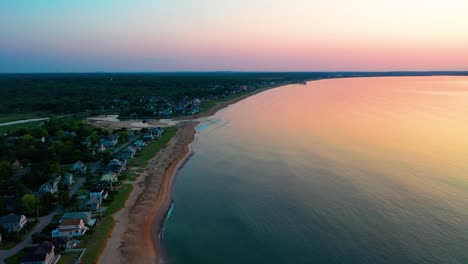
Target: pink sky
(260,35)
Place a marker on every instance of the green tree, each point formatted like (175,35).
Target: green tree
(60,133)
(123,135)
(94,138)
(29,202)
(27,138)
(5,169)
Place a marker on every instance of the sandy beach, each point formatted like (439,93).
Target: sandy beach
(134,238)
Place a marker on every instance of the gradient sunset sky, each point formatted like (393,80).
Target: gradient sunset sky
(238,35)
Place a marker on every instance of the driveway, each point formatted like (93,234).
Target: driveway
(76,186)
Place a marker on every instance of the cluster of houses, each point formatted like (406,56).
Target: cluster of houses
(74,225)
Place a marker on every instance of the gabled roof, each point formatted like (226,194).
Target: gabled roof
(11,218)
(76,215)
(67,222)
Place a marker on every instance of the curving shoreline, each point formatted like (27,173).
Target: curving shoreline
(135,237)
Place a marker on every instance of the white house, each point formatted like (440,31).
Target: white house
(68,178)
(50,187)
(70,228)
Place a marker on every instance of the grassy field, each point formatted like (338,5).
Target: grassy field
(12,128)
(15,117)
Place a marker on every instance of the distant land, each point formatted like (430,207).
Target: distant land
(146,94)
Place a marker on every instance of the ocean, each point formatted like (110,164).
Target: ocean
(353,170)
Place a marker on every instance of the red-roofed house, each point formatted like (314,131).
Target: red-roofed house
(70,228)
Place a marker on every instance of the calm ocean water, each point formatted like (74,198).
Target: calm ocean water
(370,170)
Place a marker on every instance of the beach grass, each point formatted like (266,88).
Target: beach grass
(119,199)
(96,242)
(20,116)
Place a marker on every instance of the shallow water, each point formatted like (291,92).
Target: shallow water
(365,170)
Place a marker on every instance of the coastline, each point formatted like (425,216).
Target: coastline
(135,237)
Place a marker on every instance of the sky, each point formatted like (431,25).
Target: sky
(232,35)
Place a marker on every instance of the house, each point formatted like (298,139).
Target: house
(109,142)
(148,136)
(157,132)
(110,177)
(139,143)
(64,242)
(68,178)
(93,203)
(100,193)
(42,254)
(87,142)
(12,222)
(131,150)
(50,187)
(101,149)
(70,228)
(116,166)
(85,216)
(127,153)
(79,167)
(20,173)
(17,165)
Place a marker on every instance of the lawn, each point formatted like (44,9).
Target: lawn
(14,117)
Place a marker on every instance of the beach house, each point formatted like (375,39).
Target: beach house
(70,228)
(85,216)
(12,222)
(79,167)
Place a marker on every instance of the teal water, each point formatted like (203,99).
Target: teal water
(337,171)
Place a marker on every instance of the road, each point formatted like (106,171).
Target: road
(77,186)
